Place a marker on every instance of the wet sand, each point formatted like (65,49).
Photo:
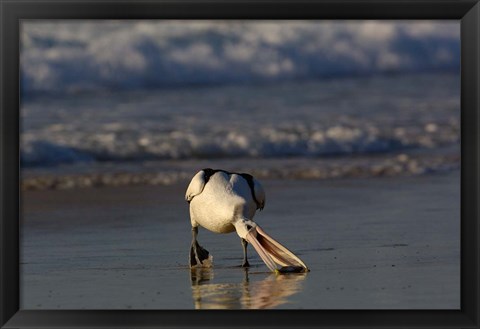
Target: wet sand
(377,243)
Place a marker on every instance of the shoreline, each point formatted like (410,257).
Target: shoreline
(171,172)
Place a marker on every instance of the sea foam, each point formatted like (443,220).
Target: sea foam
(128,143)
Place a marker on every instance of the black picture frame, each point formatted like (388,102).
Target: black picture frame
(12,12)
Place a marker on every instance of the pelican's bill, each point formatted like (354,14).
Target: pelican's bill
(273,253)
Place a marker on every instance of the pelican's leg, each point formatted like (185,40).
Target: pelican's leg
(197,253)
(245,260)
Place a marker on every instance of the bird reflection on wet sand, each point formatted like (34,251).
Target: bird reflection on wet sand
(270,292)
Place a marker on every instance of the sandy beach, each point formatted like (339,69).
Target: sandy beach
(371,243)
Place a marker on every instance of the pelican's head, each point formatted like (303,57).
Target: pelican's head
(245,227)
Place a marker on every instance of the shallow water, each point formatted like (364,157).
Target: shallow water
(316,129)
(342,117)
(391,243)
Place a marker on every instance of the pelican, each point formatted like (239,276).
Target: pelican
(223,202)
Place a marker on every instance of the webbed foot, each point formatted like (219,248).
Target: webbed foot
(199,257)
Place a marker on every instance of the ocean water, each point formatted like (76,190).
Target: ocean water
(152,102)
(273,125)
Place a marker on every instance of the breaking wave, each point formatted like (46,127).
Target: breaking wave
(66,57)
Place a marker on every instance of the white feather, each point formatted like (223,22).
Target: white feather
(221,202)
(196,186)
